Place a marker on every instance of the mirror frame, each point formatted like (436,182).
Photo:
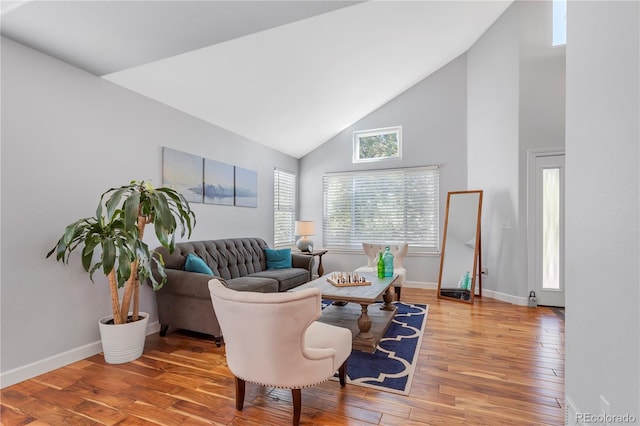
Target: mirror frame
(477,257)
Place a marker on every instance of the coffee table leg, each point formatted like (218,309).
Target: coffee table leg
(364,323)
(388,298)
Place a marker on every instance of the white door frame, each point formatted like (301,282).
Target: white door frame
(532,217)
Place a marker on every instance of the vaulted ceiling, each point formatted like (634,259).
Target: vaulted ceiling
(286,74)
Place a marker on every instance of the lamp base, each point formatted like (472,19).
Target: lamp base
(305,244)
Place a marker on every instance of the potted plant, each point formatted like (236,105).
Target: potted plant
(118,228)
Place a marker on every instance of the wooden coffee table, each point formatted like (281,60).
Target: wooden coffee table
(367,326)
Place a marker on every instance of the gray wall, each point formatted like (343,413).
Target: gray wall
(602,207)
(67,136)
(516,91)
(433,119)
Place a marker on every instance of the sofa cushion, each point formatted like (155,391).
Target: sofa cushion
(287,278)
(255,284)
(195,264)
(278,259)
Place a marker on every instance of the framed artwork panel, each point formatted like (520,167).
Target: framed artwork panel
(246,187)
(183,172)
(218,183)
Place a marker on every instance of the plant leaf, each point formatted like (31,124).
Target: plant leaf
(99,209)
(184,212)
(87,253)
(95,268)
(108,255)
(124,264)
(157,259)
(131,209)
(71,231)
(113,201)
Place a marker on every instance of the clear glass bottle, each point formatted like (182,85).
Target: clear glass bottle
(388,262)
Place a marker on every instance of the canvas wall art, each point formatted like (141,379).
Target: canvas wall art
(183,172)
(218,183)
(246,187)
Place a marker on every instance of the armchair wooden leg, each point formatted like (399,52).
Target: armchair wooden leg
(240,385)
(342,373)
(297,405)
(398,288)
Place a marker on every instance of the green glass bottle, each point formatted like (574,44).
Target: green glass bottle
(380,266)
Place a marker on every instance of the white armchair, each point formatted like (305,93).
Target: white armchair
(272,339)
(398,251)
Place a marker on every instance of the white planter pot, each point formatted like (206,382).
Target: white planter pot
(123,342)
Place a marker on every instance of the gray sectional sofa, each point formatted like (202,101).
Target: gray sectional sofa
(184,301)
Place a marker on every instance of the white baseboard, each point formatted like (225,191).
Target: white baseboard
(424,285)
(37,368)
(516,300)
(492,294)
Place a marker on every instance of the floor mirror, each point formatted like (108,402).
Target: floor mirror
(460,258)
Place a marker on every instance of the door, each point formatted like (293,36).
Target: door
(546,238)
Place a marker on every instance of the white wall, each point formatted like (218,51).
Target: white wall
(602,207)
(433,119)
(493,133)
(541,111)
(516,90)
(67,136)
(541,81)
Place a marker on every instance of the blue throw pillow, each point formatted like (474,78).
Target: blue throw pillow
(195,264)
(278,259)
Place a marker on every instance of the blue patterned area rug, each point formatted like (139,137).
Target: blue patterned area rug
(390,368)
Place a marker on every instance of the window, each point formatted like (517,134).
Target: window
(559,22)
(284,211)
(377,144)
(382,206)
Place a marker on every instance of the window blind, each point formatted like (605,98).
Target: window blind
(284,198)
(382,206)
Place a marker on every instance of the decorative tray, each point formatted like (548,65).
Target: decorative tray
(347,279)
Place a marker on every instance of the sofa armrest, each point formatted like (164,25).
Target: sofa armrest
(186,283)
(302,261)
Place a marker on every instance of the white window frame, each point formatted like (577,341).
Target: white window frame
(360,134)
(387,206)
(284,207)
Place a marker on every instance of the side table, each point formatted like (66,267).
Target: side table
(318,253)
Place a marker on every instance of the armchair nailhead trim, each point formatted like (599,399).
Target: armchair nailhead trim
(283,387)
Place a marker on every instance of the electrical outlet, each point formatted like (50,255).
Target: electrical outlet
(484,271)
(505,224)
(605,410)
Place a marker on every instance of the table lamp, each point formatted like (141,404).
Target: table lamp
(305,228)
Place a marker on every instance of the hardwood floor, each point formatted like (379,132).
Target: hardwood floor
(488,364)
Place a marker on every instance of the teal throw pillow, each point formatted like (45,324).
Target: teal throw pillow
(195,264)
(278,259)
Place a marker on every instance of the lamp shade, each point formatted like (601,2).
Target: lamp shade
(305,227)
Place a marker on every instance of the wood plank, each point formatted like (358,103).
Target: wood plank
(9,416)
(487,363)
